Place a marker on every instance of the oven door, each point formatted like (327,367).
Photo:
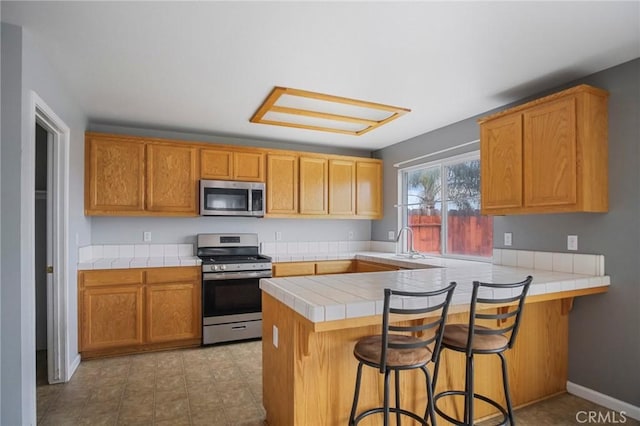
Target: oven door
(231,293)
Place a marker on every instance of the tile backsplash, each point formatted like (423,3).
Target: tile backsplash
(575,263)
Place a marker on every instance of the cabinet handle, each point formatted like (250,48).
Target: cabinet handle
(239,327)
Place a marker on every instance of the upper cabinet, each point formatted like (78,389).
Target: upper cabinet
(221,164)
(126,176)
(323,186)
(137,176)
(547,156)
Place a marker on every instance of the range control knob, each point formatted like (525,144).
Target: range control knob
(215,267)
(223,267)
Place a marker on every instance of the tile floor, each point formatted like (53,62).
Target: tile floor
(216,385)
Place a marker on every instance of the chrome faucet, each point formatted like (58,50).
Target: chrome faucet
(411,251)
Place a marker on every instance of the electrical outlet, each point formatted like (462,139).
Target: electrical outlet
(508,239)
(391,235)
(275,336)
(572,242)
(350,235)
(146,236)
(278,236)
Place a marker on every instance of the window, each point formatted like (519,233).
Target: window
(440,202)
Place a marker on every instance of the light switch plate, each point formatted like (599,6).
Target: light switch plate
(146,236)
(278,236)
(275,336)
(350,235)
(391,235)
(508,238)
(572,242)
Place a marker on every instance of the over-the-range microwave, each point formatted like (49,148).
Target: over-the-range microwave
(231,198)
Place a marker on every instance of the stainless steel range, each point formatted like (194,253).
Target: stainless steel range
(231,300)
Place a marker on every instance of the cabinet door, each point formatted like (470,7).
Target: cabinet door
(501,163)
(248,166)
(342,187)
(282,184)
(111,317)
(114,176)
(173,312)
(550,154)
(172,179)
(313,185)
(216,164)
(292,269)
(369,189)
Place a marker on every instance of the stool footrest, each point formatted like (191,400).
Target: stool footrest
(505,415)
(392,410)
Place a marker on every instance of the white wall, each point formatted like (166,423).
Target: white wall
(30,71)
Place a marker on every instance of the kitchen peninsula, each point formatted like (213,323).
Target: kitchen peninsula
(311,323)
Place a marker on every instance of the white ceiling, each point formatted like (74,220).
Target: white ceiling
(207,66)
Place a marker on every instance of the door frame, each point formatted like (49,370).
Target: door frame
(57,294)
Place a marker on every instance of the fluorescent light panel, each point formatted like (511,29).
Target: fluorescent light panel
(317,111)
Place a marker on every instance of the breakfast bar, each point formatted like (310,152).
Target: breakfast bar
(311,323)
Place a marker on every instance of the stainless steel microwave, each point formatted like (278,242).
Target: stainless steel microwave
(231,198)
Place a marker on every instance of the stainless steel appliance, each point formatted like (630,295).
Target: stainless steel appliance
(231,198)
(231,300)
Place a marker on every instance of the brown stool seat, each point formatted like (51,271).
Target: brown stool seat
(369,349)
(456,336)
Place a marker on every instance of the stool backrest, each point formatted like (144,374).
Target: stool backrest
(497,294)
(429,307)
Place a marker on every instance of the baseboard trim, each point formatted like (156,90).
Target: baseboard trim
(73,367)
(604,400)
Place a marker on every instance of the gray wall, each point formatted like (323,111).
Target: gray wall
(604,340)
(11,384)
(24,69)
(121,230)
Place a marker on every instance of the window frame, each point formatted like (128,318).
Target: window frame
(444,214)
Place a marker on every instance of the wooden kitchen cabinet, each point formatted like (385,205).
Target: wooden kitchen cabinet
(335,267)
(132,310)
(369,189)
(292,269)
(132,176)
(172,179)
(173,304)
(218,164)
(547,156)
(342,187)
(314,185)
(282,184)
(114,175)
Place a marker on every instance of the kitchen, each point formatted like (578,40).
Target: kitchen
(590,321)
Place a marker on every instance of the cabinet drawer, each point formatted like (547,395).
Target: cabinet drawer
(173,275)
(111,277)
(334,267)
(293,269)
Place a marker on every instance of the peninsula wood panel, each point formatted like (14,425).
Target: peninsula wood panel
(314,185)
(172,179)
(316,370)
(282,184)
(342,187)
(114,174)
(292,269)
(334,267)
(369,189)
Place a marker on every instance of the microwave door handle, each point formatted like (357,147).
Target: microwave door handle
(250,200)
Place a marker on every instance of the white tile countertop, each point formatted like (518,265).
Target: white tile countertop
(125,256)
(321,298)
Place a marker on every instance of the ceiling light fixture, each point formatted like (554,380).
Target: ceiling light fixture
(327,113)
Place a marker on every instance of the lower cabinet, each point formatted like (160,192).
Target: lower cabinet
(134,310)
(292,269)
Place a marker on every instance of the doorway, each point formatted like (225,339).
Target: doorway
(43,248)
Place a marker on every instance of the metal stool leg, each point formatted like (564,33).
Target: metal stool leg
(356,395)
(507,392)
(386,397)
(469,400)
(398,420)
(429,411)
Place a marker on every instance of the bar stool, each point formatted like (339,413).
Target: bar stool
(388,352)
(474,339)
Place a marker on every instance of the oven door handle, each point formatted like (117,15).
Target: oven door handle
(235,275)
